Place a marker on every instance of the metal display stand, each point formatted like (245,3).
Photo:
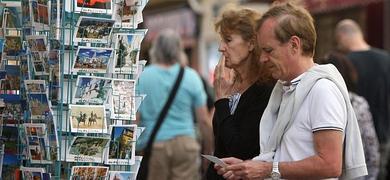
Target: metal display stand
(79,87)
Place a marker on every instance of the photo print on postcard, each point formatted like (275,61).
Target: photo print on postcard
(38,143)
(94,30)
(122,145)
(94,6)
(89,172)
(122,175)
(37,43)
(35,86)
(87,119)
(40,12)
(87,149)
(12,46)
(39,106)
(127,49)
(92,60)
(92,90)
(128,13)
(123,99)
(32,172)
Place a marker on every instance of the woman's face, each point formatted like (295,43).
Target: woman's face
(235,49)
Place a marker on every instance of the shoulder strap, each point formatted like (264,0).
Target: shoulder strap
(165,109)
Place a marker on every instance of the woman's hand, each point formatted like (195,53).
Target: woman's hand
(223,80)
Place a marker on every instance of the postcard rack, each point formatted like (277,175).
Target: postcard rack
(68,74)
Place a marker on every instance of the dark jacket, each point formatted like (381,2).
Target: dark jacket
(237,135)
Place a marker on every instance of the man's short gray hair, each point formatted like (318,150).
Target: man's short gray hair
(166,48)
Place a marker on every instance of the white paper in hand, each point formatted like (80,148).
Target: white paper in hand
(215,160)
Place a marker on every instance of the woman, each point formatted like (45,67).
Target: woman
(175,150)
(242,88)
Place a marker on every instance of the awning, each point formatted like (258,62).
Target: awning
(318,6)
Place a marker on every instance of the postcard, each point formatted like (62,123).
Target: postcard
(39,106)
(127,49)
(92,60)
(122,175)
(122,145)
(87,118)
(92,90)
(94,6)
(215,160)
(37,43)
(32,172)
(54,75)
(11,18)
(12,45)
(12,111)
(12,78)
(35,129)
(87,149)
(94,30)
(41,14)
(11,3)
(128,13)
(89,172)
(35,86)
(26,13)
(123,99)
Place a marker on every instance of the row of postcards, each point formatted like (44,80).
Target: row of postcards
(44,15)
(81,172)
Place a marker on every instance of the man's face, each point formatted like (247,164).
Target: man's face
(274,54)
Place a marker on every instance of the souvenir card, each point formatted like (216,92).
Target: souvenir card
(128,13)
(92,90)
(40,13)
(87,119)
(32,172)
(35,129)
(122,145)
(11,18)
(87,149)
(26,13)
(1,53)
(92,60)
(12,111)
(54,75)
(35,86)
(122,175)
(12,46)
(94,30)
(39,68)
(89,172)
(11,3)
(24,67)
(12,78)
(94,6)
(123,99)
(39,106)
(37,43)
(127,49)
(10,139)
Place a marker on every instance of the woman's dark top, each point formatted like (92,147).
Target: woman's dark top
(237,135)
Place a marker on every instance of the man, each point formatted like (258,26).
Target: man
(373,68)
(309,129)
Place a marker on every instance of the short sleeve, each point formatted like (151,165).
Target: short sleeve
(197,89)
(328,108)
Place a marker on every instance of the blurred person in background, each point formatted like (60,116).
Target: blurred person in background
(175,152)
(242,87)
(362,111)
(373,69)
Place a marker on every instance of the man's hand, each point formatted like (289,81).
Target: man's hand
(226,173)
(251,169)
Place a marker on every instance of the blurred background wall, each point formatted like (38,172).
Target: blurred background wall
(194,20)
